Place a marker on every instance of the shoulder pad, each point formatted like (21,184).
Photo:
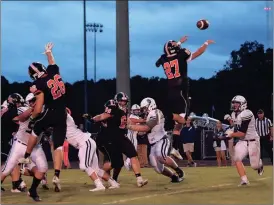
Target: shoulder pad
(246,115)
(152,115)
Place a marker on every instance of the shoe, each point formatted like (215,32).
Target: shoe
(44,184)
(22,187)
(15,190)
(181,173)
(56,183)
(243,183)
(176,154)
(113,184)
(176,179)
(261,170)
(99,188)
(34,196)
(141,183)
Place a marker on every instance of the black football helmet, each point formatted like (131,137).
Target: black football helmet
(36,70)
(110,103)
(120,98)
(171,47)
(15,98)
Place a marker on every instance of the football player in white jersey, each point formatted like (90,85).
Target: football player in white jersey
(132,135)
(13,102)
(38,166)
(249,141)
(87,155)
(160,144)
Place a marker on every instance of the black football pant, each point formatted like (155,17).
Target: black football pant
(55,118)
(266,145)
(177,103)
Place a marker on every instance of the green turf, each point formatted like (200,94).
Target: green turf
(202,185)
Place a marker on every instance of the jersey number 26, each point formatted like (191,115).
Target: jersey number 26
(57,87)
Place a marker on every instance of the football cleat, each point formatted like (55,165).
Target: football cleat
(34,196)
(261,170)
(56,183)
(141,183)
(176,179)
(243,183)
(99,188)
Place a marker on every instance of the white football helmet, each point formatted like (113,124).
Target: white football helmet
(148,104)
(30,97)
(241,100)
(135,109)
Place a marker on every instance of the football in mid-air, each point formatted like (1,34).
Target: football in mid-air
(202,24)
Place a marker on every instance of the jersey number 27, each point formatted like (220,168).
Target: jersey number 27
(57,86)
(168,69)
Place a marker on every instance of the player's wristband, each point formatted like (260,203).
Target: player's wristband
(206,43)
(179,43)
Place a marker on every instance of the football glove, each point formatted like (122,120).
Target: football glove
(229,132)
(227,117)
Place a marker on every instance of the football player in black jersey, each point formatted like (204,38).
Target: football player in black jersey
(112,140)
(50,91)
(174,62)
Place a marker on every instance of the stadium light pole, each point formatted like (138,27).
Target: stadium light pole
(85,65)
(94,27)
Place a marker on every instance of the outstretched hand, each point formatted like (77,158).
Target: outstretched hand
(48,47)
(183,39)
(210,42)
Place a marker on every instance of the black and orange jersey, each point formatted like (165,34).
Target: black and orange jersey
(53,87)
(117,122)
(175,66)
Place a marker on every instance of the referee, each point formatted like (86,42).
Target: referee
(265,131)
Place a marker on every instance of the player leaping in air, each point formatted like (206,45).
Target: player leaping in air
(174,62)
(49,90)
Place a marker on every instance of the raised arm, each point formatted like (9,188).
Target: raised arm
(201,50)
(48,53)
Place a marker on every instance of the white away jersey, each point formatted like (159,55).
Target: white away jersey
(21,134)
(75,136)
(130,133)
(156,121)
(248,125)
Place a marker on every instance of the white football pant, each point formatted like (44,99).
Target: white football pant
(88,158)
(251,148)
(18,150)
(159,151)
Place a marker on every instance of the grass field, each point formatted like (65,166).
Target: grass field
(202,185)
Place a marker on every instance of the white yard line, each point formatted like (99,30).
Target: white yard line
(171,193)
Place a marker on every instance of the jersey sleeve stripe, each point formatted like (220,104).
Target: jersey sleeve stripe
(20,111)
(247,117)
